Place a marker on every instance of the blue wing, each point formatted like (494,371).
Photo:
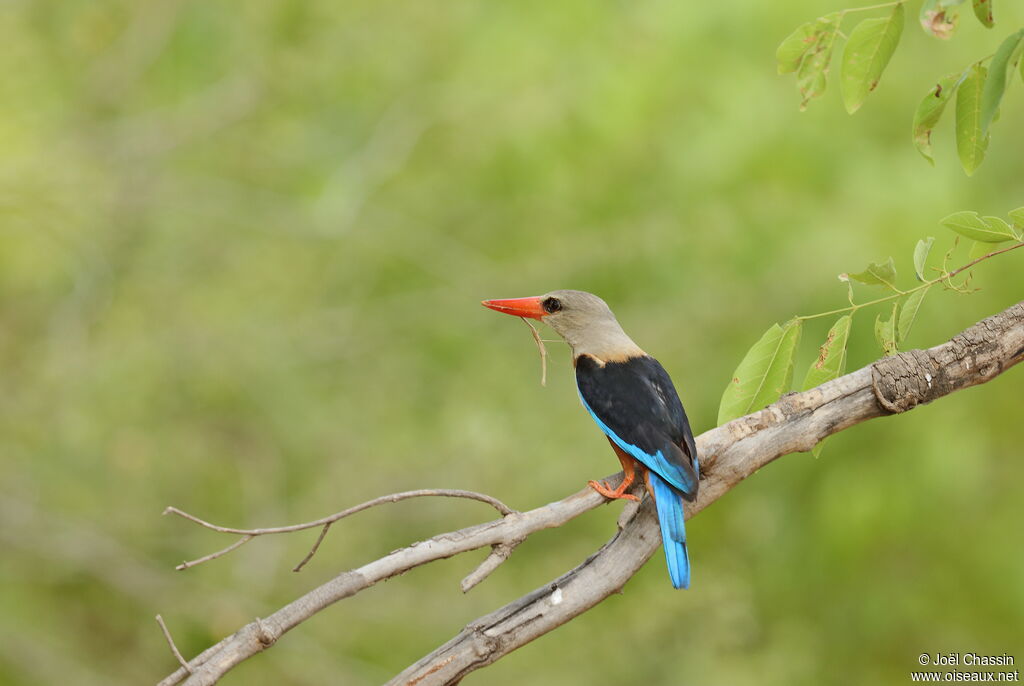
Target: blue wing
(636,406)
(683,479)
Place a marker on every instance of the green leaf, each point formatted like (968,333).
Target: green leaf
(995,84)
(983,11)
(908,313)
(764,374)
(830,363)
(812,76)
(928,112)
(979,249)
(1017,217)
(885,331)
(984,229)
(999,225)
(867,53)
(971,141)
(939,17)
(831,355)
(878,275)
(792,50)
(921,251)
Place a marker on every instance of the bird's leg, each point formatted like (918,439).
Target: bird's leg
(647,482)
(628,469)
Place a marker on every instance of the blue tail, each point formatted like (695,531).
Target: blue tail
(673,530)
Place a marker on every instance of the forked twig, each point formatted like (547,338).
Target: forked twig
(326,522)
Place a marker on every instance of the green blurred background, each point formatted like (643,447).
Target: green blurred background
(243,247)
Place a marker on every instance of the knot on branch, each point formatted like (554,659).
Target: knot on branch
(265,634)
(905,380)
(976,355)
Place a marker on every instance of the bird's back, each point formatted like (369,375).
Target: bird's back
(635,403)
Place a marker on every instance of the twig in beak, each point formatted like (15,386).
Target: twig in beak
(543,352)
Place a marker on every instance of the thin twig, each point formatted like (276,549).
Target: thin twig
(248,534)
(170,641)
(312,551)
(543,352)
(945,277)
(516,526)
(499,553)
(213,556)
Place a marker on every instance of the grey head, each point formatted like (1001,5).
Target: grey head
(587,324)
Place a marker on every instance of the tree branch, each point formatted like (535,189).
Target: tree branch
(170,643)
(730,453)
(326,522)
(506,533)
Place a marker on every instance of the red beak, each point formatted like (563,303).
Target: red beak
(520,307)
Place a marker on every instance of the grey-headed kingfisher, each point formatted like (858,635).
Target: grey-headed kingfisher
(631,397)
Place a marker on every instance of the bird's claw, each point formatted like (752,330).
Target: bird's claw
(607,491)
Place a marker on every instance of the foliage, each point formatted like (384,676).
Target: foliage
(766,371)
(870,46)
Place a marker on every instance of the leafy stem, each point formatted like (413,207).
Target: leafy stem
(945,276)
(850,10)
(766,371)
(867,49)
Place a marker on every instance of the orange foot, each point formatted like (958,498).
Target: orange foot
(619,493)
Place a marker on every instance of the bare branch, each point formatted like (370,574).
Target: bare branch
(499,553)
(312,551)
(325,522)
(170,642)
(212,556)
(730,453)
(254,637)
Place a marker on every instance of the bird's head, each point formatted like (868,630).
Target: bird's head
(582,319)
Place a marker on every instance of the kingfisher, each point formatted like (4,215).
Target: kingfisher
(631,398)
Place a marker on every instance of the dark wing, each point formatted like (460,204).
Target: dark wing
(636,405)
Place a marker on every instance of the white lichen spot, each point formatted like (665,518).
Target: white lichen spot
(556,597)
(928,378)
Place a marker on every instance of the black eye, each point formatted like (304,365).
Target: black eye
(552,305)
